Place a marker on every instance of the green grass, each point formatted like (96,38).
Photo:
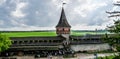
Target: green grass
(46,33)
(26,34)
(84,33)
(107,57)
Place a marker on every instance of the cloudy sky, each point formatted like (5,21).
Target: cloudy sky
(45,14)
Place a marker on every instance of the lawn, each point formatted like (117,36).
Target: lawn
(26,34)
(47,33)
(78,33)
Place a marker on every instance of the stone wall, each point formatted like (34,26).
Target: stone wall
(90,47)
(18,57)
(31,57)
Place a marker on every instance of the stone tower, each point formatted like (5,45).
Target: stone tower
(63,27)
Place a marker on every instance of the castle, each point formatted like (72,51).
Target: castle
(61,44)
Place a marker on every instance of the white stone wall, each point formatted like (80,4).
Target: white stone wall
(92,47)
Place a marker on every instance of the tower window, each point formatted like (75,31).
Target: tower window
(60,29)
(66,29)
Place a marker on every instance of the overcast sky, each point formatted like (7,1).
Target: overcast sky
(45,14)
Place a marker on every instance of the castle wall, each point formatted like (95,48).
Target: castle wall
(90,47)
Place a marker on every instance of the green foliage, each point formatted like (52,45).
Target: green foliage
(115,28)
(107,57)
(114,40)
(110,57)
(118,48)
(116,57)
(5,42)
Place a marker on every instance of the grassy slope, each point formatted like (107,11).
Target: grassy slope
(47,33)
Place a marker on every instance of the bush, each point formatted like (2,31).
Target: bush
(5,42)
(118,48)
(116,57)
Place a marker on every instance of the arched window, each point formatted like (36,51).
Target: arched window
(60,29)
(66,29)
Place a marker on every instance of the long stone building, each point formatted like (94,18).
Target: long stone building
(61,44)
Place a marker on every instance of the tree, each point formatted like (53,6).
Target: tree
(114,40)
(5,42)
(114,13)
(115,28)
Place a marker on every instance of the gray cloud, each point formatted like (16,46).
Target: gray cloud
(46,13)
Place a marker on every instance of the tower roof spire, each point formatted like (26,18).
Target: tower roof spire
(63,21)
